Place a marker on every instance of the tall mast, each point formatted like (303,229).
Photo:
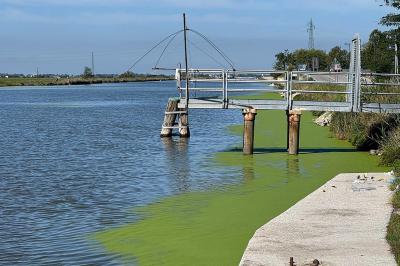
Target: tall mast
(186,61)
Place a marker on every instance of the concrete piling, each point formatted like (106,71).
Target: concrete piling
(293,141)
(248,130)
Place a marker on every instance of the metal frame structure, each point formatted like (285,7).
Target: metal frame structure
(216,87)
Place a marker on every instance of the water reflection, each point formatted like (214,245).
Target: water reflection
(177,161)
(292,166)
(248,170)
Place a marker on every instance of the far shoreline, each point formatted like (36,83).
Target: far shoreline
(47,82)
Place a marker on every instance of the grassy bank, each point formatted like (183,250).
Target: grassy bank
(6,82)
(393,229)
(214,227)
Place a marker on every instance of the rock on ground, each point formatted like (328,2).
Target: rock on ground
(324,120)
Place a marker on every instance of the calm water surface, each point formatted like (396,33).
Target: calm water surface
(75,160)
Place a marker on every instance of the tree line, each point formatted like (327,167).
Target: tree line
(377,53)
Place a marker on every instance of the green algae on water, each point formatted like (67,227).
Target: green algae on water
(214,227)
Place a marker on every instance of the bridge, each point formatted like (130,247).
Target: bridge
(290,91)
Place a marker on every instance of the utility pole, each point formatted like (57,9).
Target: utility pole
(37,72)
(93,64)
(311,30)
(186,60)
(396,60)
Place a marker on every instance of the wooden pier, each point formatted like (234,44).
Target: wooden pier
(352,91)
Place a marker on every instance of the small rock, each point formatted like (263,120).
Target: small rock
(324,120)
(315,262)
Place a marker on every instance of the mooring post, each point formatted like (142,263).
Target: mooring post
(184,131)
(248,130)
(293,131)
(169,117)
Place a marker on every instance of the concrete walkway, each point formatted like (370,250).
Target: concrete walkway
(342,223)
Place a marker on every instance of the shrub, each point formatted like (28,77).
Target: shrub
(363,130)
(391,150)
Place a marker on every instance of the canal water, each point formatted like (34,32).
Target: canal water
(86,180)
(75,160)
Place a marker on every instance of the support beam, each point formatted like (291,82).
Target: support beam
(293,132)
(184,131)
(169,117)
(248,130)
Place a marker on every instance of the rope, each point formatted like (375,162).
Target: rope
(154,47)
(226,58)
(165,48)
(210,56)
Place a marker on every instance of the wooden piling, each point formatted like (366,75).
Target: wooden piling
(184,131)
(169,117)
(248,130)
(293,132)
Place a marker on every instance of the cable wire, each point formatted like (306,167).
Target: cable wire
(154,47)
(165,48)
(226,58)
(207,54)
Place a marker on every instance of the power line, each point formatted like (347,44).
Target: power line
(93,64)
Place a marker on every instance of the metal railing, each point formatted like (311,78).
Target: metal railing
(217,88)
(351,91)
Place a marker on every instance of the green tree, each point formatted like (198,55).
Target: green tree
(284,60)
(392,19)
(378,53)
(341,55)
(87,72)
(303,56)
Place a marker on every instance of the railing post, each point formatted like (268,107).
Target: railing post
(355,74)
(289,90)
(224,88)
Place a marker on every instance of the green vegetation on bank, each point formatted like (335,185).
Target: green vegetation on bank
(52,81)
(393,229)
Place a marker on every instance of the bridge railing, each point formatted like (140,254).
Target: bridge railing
(213,88)
(321,91)
(283,90)
(380,92)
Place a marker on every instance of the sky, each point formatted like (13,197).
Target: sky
(58,36)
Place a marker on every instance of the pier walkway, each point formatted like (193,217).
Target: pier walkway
(290,91)
(341,223)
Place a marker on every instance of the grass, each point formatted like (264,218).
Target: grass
(391,150)
(393,236)
(393,229)
(319,97)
